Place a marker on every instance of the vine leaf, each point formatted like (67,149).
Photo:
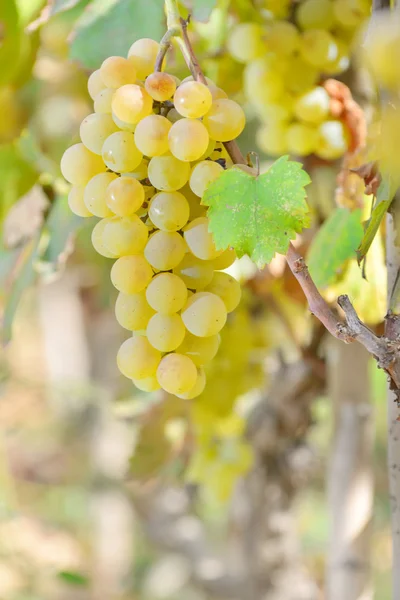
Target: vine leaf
(258,216)
(384,197)
(334,244)
(201,9)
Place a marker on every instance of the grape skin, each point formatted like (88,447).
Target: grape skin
(160,86)
(125,235)
(195,273)
(131,103)
(198,387)
(165,332)
(202,175)
(151,135)
(124,196)
(98,239)
(120,153)
(116,71)
(103,100)
(166,293)
(188,139)
(169,211)
(176,373)
(76,201)
(199,240)
(201,350)
(131,274)
(137,359)
(95,129)
(167,173)
(192,99)
(227,288)
(165,250)
(132,311)
(204,314)
(79,165)
(95,194)
(225,120)
(142,54)
(95,84)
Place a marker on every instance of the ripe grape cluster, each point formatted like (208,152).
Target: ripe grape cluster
(147,154)
(286,62)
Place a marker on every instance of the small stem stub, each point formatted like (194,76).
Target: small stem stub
(254,163)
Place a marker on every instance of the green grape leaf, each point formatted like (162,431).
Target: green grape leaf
(258,216)
(17,175)
(60,226)
(385,195)
(11,41)
(334,244)
(109,27)
(201,9)
(73,578)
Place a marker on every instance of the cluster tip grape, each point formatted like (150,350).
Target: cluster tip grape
(147,154)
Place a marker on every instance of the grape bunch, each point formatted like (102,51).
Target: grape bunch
(147,154)
(286,62)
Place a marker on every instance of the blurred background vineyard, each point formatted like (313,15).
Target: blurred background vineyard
(110,492)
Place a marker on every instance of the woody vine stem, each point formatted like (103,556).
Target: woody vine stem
(386,352)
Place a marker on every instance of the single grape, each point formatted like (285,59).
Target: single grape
(332,140)
(140,172)
(200,349)
(272,139)
(204,173)
(302,139)
(117,71)
(188,139)
(126,235)
(131,103)
(120,153)
(103,100)
(76,201)
(176,373)
(204,314)
(190,78)
(196,209)
(342,61)
(122,124)
(350,14)
(137,359)
(225,120)
(227,288)
(95,194)
(142,54)
(217,93)
(165,250)
(300,76)
(383,41)
(132,311)
(151,135)
(195,273)
(79,165)
(95,84)
(148,384)
(165,332)
(318,47)
(199,240)
(124,196)
(315,14)
(167,173)
(313,106)
(192,99)
(198,387)
(160,86)
(169,211)
(166,293)
(98,239)
(225,260)
(245,42)
(282,37)
(131,274)
(95,129)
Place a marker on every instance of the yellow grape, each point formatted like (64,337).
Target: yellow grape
(342,61)
(79,165)
(245,42)
(318,47)
(160,86)
(122,124)
(142,54)
(217,93)
(98,239)
(192,99)
(165,250)
(204,314)
(300,76)
(196,209)
(95,194)
(120,153)
(76,201)
(169,211)
(198,387)
(227,288)
(148,384)
(225,260)
(271,139)
(188,139)
(195,273)
(351,13)
(95,129)
(332,140)
(190,78)
(103,100)
(313,106)
(167,173)
(166,293)
(301,139)
(140,172)
(383,41)
(204,173)
(137,359)
(199,240)
(282,37)
(117,71)
(200,349)
(263,82)
(95,84)
(131,274)
(151,135)
(315,14)
(225,120)
(126,235)
(209,150)
(281,110)
(131,103)
(165,332)
(176,373)
(132,311)
(124,196)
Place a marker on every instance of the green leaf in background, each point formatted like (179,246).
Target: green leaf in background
(11,42)
(61,224)
(258,216)
(334,244)
(109,27)
(17,175)
(384,197)
(62,5)
(29,10)
(201,9)
(73,578)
